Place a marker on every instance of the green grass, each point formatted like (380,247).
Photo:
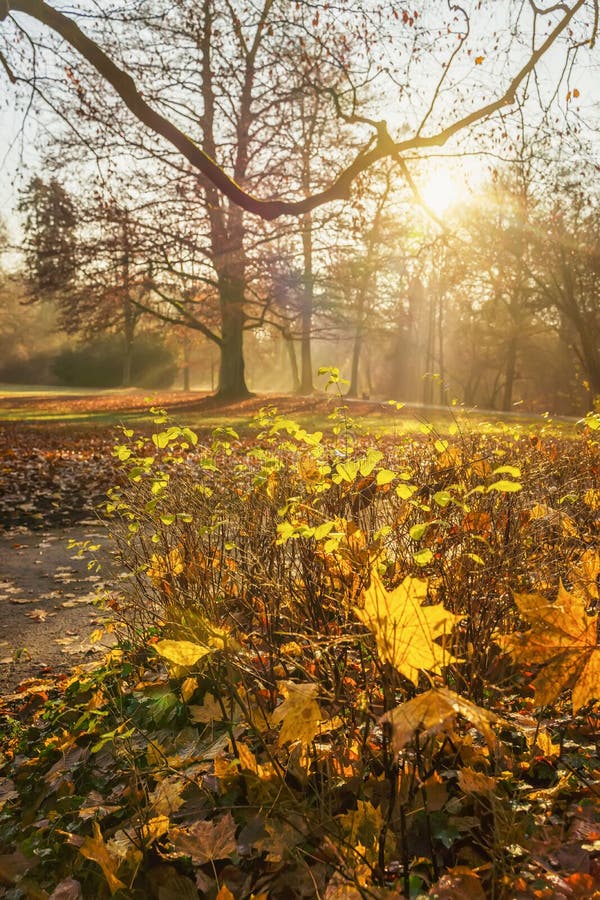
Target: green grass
(39,406)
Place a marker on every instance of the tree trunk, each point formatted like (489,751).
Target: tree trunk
(306,376)
(232,381)
(291,351)
(186,362)
(129,317)
(352,391)
(509,374)
(127,361)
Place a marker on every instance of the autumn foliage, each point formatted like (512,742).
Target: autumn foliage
(350,666)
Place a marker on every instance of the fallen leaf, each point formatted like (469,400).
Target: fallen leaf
(206,840)
(434,711)
(224,893)
(95,849)
(472,782)
(39,615)
(69,889)
(166,797)
(13,866)
(458,883)
(299,713)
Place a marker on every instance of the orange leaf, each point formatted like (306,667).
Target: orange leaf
(563,640)
(96,850)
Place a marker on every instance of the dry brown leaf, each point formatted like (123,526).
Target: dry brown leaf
(472,782)
(456,884)
(206,840)
(210,711)
(69,889)
(435,711)
(39,615)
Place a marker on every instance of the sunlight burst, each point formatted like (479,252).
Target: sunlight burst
(440,192)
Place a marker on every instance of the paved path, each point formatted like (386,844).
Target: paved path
(47,601)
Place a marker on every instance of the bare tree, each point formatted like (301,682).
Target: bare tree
(216,102)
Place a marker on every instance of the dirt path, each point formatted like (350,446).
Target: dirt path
(47,600)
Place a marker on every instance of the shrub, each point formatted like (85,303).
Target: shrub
(323,679)
(100,363)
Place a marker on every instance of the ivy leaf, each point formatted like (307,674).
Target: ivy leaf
(405,631)
(299,713)
(563,640)
(434,711)
(95,849)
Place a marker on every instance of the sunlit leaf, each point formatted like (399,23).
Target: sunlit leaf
(299,713)
(162,566)
(505,487)
(405,631)
(434,711)
(563,640)
(182,653)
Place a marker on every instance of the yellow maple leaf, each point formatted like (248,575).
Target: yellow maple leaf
(182,653)
(563,640)
(433,711)
(166,798)
(162,566)
(95,849)
(299,713)
(584,576)
(362,825)
(405,631)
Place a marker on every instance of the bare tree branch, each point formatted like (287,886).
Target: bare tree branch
(379,147)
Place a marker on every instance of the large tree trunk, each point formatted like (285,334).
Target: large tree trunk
(232,381)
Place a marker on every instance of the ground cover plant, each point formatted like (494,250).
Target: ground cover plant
(349,666)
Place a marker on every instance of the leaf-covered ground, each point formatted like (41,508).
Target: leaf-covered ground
(350,667)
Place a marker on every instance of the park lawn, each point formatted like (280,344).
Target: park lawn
(80,407)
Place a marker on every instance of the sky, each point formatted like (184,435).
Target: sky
(20,141)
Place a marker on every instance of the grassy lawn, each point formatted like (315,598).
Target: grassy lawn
(80,407)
